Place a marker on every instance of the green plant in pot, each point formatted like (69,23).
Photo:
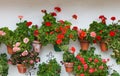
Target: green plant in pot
(6,37)
(100,28)
(90,64)
(68,59)
(55,32)
(115,73)
(3,65)
(52,68)
(86,37)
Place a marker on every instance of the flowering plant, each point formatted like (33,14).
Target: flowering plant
(26,58)
(68,56)
(88,63)
(55,32)
(100,28)
(6,36)
(86,35)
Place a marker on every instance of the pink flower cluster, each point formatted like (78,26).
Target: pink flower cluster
(2,33)
(25,40)
(16,47)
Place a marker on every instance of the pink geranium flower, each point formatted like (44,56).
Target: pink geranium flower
(17,44)
(20,17)
(15,49)
(26,40)
(2,33)
(25,53)
(31,61)
(93,34)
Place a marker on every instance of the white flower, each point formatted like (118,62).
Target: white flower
(26,40)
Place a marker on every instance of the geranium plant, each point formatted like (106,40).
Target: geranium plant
(52,68)
(90,64)
(55,32)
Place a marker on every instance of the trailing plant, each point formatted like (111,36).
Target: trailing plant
(52,68)
(3,65)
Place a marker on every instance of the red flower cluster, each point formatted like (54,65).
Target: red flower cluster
(36,33)
(82,34)
(48,23)
(60,36)
(98,38)
(53,14)
(103,18)
(73,50)
(112,33)
(75,28)
(75,16)
(113,18)
(57,9)
(29,23)
(58,41)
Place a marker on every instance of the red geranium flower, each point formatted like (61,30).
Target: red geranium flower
(91,70)
(60,36)
(61,21)
(96,60)
(113,18)
(36,33)
(43,11)
(98,37)
(90,59)
(48,23)
(112,33)
(53,14)
(101,16)
(94,41)
(82,74)
(85,67)
(82,34)
(75,28)
(67,27)
(79,67)
(29,23)
(74,16)
(57,9)
(78,56)
(72,50)
(58,41)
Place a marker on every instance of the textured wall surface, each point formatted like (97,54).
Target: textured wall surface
(87,11)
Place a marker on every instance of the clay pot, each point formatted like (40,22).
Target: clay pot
(84,44)
(10,50)
(68,66)
(36,46)
(21,68)
(103,46)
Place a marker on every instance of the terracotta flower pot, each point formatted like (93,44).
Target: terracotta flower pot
(10,50)
(68,67)
(103,46)
(84,44)
(21,68)
(36,46)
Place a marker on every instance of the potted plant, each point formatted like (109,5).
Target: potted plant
(86,37)
(52,68)
(68,59)
(3,65)
(24,60)
(102,32)
(55,32)
(34,35)
(22,47)
(6,37)
(115,73)
(90,64)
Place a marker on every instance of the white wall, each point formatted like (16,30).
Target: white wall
(87,11)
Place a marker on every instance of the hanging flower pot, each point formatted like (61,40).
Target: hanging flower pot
(21,68)
(84,44)
(56,48)
(103,46)
(69,66)
(36,46)
(10,50)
